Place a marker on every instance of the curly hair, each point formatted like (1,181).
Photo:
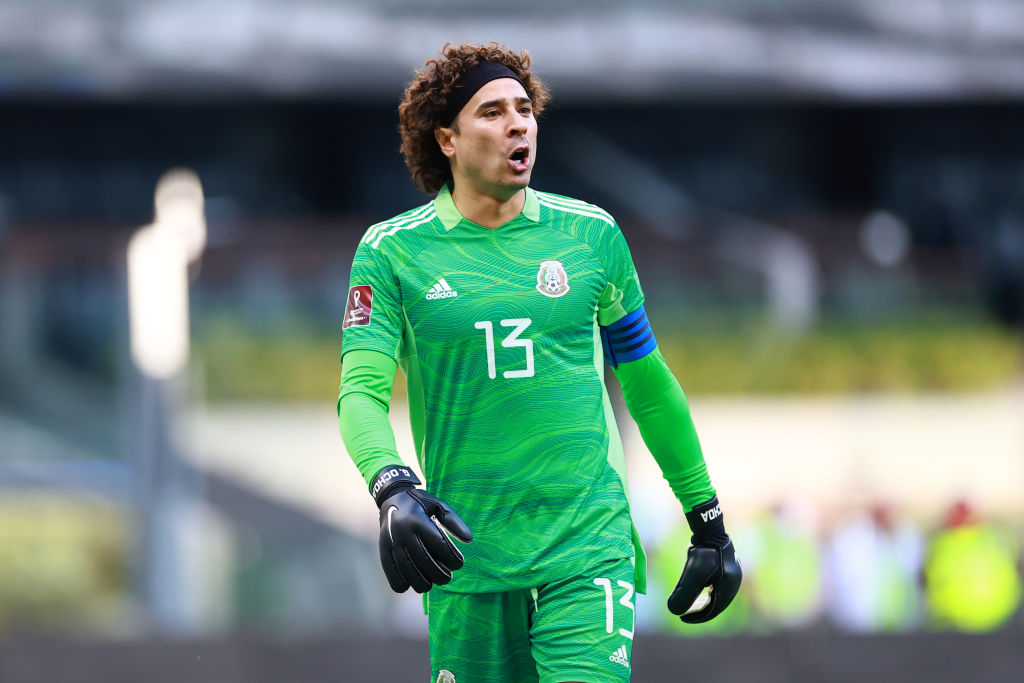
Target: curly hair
(426,99)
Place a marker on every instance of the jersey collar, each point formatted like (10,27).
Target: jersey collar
(444,205)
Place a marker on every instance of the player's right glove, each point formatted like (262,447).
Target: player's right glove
(414,548)
(710,562)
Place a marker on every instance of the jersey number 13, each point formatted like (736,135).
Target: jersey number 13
(511,340)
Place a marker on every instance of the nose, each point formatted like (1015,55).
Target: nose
(517,125)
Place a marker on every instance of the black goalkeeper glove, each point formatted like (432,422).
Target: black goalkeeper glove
(414,548)
(711,561)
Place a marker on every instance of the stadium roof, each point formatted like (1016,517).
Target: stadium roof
(655,49)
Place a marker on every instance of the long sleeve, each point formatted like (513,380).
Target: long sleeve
(363,398)
(659,406)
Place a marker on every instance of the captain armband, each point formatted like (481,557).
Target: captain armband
(627,339)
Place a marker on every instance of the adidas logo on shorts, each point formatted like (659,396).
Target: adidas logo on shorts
(620,656)
(441,290)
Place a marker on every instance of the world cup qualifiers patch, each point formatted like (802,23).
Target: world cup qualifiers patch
(359,307)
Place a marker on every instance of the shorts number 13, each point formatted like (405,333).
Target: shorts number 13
(626,601)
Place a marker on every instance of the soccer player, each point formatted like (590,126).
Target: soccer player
(499,303)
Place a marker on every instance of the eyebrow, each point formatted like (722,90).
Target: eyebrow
(494,103)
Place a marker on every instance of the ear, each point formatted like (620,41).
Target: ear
(444,137)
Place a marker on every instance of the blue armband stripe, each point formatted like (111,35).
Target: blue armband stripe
(628,339)
(617,329)
(606,347)
(637,352)
(631,336)
(626,333)
(627,348)
(628,319)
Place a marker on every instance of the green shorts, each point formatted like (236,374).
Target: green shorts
(575,629)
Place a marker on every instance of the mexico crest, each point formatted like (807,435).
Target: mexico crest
(552,280)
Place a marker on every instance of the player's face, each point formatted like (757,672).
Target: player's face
(496,143)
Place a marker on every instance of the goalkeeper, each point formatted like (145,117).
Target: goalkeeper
(498,302)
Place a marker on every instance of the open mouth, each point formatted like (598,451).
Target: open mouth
(519,159)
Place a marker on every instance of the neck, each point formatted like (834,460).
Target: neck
(484,209)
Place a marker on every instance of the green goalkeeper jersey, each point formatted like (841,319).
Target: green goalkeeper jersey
(497,332)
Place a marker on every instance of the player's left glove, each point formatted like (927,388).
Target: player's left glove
(414,548)
(710,562)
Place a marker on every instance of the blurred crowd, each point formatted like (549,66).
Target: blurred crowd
(870,570)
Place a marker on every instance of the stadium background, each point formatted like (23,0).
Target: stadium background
(825,203)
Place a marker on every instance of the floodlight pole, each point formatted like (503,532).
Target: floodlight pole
(167,490)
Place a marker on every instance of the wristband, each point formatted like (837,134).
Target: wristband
(390,479)
(707,525)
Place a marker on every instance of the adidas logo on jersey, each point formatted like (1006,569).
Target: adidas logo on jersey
(620,656)
(441,290)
